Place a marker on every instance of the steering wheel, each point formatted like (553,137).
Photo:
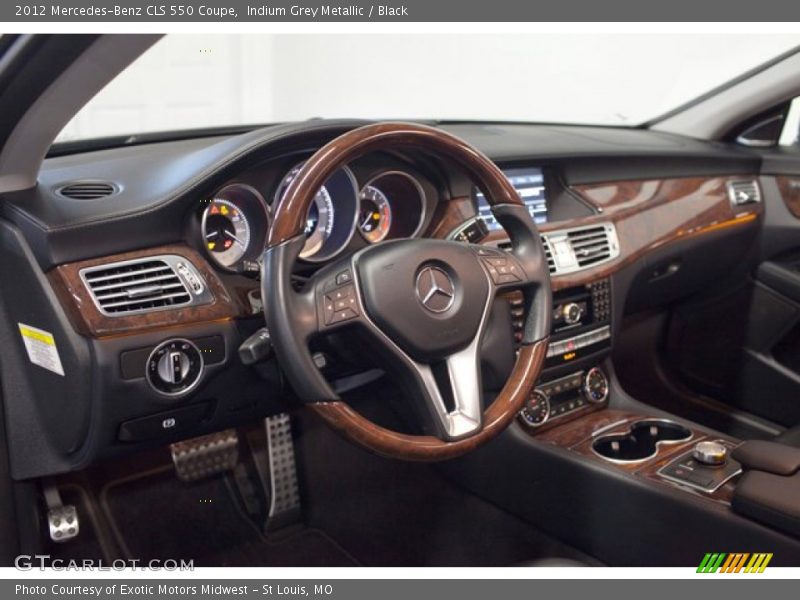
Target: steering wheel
(423,303)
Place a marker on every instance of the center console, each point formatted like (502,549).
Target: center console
(571,383)
(569,407)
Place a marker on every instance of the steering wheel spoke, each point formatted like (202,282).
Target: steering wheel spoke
(454,398)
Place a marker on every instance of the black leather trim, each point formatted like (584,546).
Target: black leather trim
(769,499)
(790,437)
(772,457)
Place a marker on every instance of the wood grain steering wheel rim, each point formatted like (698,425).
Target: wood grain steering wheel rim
(294,317)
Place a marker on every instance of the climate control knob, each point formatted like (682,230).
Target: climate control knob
(174,367)
(571,313)
(536,410)
(595,386)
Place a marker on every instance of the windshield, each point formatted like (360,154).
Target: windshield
(200,81)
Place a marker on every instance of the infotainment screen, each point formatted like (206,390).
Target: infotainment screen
(529,183)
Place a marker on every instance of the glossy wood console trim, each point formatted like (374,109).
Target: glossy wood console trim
(496,418)
(578,435)
(653,213)
(88,320)
(648,214)
(789,188)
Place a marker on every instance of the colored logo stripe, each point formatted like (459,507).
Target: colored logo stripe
(735,562)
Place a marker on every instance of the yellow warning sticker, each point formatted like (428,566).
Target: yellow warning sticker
(41,348)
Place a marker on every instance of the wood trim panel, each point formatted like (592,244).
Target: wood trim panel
(392,444)
(449,214)
(88,320)
(578,436)
(789,188)
(648,214)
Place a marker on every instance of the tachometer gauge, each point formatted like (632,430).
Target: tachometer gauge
(226,232)
(375,216)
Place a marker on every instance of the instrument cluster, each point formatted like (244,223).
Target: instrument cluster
(345,214)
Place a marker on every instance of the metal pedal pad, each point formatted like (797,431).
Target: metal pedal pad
(206,455)
(61,519)
(284,500)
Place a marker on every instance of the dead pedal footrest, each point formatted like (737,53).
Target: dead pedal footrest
(206,455)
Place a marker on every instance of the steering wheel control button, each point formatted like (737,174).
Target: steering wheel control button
(710,453)
(174,367)
(501,266)
(344,277)
(340,304)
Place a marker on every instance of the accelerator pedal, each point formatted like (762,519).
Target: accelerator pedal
(276,472)
(206,455)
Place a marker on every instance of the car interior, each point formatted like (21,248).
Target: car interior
(340,342)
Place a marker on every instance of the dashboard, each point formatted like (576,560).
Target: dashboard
(167,262)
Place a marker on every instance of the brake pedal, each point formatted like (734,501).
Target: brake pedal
(206,455)
(62,519)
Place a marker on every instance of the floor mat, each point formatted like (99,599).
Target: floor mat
(155,516)
(395,513)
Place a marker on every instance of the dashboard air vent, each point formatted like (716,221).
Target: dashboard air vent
(87,190)
(570,250)
(145,285)
(744,192)
(590,245)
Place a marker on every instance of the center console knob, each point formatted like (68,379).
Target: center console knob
(572,313)
(710,453)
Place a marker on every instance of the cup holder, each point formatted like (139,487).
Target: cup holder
(641,442)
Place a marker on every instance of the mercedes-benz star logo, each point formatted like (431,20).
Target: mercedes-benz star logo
(435,289)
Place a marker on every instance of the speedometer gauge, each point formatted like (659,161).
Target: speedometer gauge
(375,217)
(319,223)
(330,221)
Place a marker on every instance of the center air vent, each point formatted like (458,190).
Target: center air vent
(742,192)
(590,246)
(145,285)
(87,190)
(570,250)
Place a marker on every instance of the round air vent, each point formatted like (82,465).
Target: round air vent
(87,190)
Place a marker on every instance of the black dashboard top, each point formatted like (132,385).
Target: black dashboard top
(158,182)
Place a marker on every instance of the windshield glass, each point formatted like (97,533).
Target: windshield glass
(199,81)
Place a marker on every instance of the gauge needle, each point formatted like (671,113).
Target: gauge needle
(211,235)
(234,238)
(366,222)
